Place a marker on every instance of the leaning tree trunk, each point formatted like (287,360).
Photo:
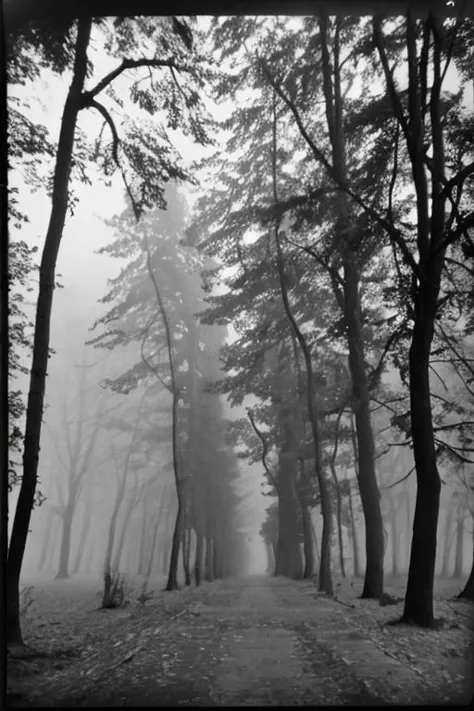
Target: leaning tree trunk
(35,406)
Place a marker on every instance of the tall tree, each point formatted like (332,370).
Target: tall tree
(145,161)
(155,298)
(422,114)
(425,119)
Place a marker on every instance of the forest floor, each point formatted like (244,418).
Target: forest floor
(250,641)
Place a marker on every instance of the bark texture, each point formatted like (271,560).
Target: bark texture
(41,343)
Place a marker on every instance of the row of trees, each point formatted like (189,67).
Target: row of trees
(110,450)
(347,555)
(344,205)
(133,143)
(154,301)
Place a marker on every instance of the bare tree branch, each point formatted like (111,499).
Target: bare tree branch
(456,451)
(453,426)
(400,480)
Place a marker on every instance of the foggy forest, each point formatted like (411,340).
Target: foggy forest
(241,358)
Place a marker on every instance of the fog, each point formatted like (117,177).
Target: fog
(75,395)
(85,454)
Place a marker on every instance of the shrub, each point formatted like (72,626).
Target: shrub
(145,595)
(116,592)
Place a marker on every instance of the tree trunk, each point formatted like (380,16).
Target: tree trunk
(63,569)
(306,525)
(125,523)
(113,524)
(86,525)
(419,594)
(459,556)
(172,583)
(325,582)
(338,515)
(288,560)
(368,487)
(165,560)
(186,544)
(307,543)
(151,557)
(349,301)
(270,558)
(35,406)
(156,534)
(467,593)
(45,548)
(407,529)
(209,561)
(395,541)
(356,571)
(198,559)
(315,541)
(448,538)
(431,245)
(143,540)
(216,560)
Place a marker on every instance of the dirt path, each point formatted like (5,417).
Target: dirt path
(266,641)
